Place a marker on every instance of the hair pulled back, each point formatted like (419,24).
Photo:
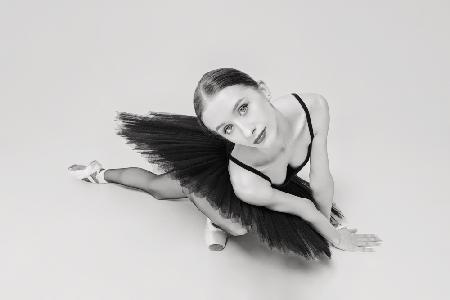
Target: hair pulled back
(213,82)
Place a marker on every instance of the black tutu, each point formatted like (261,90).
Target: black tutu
(199,161)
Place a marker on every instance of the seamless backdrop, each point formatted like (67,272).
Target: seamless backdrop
(66,67)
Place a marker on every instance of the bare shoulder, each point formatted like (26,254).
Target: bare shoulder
(242,179)
(311,100)
(317,106)
(248,186)
(314,101)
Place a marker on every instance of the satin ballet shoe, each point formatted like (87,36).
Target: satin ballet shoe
(93,172)
(215,238)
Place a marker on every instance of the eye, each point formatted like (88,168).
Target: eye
(244,105)
(226,127)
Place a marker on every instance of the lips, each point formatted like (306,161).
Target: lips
(258,139)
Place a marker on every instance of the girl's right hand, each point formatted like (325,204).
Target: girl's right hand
(349,240)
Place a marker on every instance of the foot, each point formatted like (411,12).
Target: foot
(215,237)
(89,173)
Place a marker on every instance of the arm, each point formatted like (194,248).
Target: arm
(321,181)
(257,191)
(304,208)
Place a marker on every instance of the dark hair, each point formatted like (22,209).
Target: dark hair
(213,82)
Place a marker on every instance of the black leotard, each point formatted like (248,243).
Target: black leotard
(291,171)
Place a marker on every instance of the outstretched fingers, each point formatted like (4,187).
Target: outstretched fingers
(366,249)
(365,242)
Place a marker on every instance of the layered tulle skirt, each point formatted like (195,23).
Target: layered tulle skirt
(199,160)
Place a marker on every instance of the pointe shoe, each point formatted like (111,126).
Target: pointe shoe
(215,238)
(93,172)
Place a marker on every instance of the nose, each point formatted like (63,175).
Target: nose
(247,130)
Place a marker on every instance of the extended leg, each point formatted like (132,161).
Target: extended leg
(159,186)
(164,187)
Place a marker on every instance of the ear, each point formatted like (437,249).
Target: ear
(264,88)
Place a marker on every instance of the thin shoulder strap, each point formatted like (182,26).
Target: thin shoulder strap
(249,168)
(308,117)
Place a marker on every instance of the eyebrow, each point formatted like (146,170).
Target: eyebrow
(234,108)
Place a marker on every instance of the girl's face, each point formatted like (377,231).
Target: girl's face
(240,114)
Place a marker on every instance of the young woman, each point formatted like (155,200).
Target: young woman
(238,160)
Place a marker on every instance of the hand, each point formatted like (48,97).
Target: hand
(349,240)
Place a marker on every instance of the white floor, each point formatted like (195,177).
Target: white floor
(66,68)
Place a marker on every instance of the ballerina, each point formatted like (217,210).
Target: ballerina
(237,161)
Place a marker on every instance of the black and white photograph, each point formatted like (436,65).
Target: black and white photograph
(245,150)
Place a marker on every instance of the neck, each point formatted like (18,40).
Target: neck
(283,136)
